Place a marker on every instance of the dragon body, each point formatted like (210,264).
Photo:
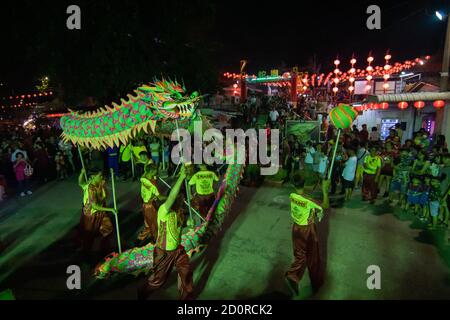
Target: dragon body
(157,108)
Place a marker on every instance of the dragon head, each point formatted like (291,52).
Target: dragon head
(169,99)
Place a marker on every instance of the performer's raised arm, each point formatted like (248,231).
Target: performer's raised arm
(175,190)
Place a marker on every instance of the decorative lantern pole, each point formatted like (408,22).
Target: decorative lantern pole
(351,78)
(336,76)
(386,68)
(369,70)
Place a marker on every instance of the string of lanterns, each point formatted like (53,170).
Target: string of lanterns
(403,105)
(25,100)
(369,73)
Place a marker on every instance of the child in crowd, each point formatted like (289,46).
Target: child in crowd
(61,169)
(361,155)
(421,164)
(435,165)
(309,159)
(374,135)
(400,180)
(320,163)
(19,169)
(349,172)
(434,201)
(417,197)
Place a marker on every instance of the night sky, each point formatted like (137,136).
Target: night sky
(280,32)
(269,34)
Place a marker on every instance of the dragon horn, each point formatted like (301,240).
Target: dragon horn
(152,125)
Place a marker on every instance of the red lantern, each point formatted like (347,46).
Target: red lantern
(374,106)
(419,104)
(384,105)
(439,104)
(403,105)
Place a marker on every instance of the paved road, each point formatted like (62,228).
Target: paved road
(246,261)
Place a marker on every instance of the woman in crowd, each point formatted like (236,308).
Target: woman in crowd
(387,158)
(20,167)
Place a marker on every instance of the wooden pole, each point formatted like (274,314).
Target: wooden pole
(132,161)
(115,209)
(185,180)
(82,163)
(334,153)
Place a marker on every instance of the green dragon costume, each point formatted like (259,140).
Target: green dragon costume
(155,106)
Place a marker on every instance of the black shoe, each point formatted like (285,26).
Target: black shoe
(292,285)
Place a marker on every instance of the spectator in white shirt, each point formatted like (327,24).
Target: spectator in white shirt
(349,172)
(309,158)
(273,115)
(374,136)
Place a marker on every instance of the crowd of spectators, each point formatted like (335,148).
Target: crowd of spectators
(415,175)
(34,156)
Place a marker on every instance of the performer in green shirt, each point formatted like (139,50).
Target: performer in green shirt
(168,251)
(150,194)
(304,212)
(94,219)
(204,182)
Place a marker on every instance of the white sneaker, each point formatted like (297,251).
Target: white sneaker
(22,194)
(29,192)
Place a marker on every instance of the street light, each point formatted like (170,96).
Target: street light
(439,15)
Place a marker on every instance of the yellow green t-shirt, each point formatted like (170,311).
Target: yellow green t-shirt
(136,151)
(148,190)
(169,234)
(204,181)
(372,164)
(301,209)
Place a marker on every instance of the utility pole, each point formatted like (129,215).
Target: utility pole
(442,115)
(446,58)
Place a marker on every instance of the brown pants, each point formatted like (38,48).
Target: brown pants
(306,253)
(150,213)
(203,203)
(93,225)
(369,187)
(163,264)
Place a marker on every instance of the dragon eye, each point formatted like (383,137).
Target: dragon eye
(194,95)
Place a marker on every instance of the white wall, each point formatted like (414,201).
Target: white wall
(373,119)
